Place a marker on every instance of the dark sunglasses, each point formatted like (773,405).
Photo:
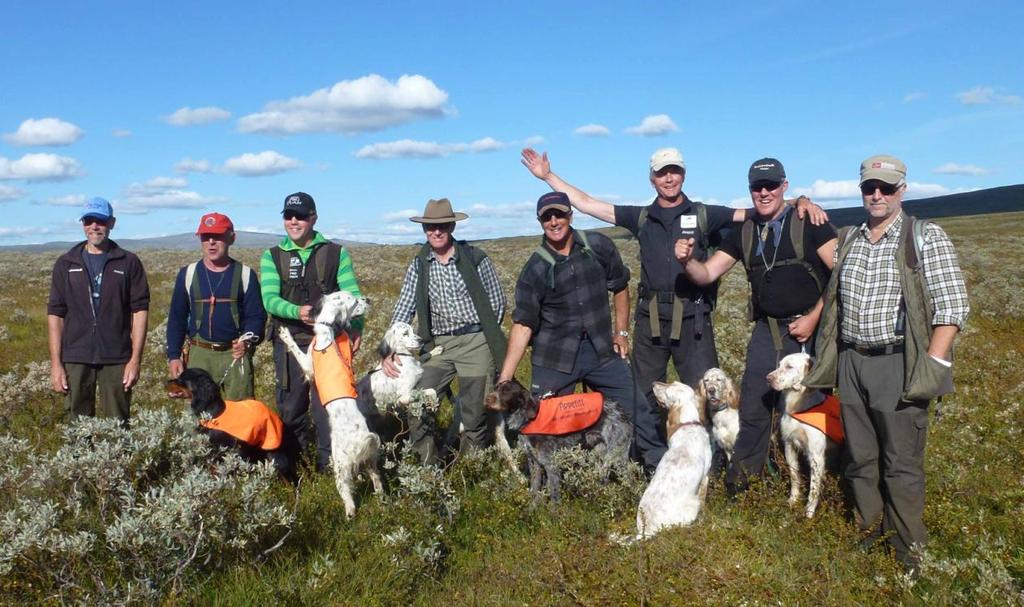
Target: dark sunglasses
(290,215)
(88,221)
(887,189)
(766,185)
(547,215)
(438,227)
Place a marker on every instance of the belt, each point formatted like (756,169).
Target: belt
(875,351)
(465,330)
(210,345)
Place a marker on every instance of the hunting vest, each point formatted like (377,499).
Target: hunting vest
(305,283)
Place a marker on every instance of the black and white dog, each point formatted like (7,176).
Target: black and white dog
(248,427)
(612,432)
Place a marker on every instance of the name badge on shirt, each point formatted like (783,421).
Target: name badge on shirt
(688,226)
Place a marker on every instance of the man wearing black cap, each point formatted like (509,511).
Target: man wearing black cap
(293,276)
(97,314)
(453,291)
(562,311)
(788,262)
(673,319)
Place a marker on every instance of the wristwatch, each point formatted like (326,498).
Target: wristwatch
(623,333)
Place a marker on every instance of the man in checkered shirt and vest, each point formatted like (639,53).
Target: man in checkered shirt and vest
(453,291)
(893,306)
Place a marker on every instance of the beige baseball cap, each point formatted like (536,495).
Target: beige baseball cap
(667,157)
(883,168)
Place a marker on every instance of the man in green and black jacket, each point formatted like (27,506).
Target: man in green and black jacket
(294,275)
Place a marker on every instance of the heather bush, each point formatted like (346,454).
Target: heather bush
(129,515)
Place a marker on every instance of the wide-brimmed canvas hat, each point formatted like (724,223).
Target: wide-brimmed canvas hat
(439,211)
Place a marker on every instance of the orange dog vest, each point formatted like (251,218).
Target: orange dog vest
(824,417)
(250,421)
(561,415)
(332,370)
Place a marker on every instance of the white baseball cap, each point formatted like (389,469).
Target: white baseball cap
(667,157)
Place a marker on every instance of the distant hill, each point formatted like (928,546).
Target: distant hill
(251,240)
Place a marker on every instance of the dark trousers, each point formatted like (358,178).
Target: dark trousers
(297,401)
(612,378)
(691,356)
(83,381)
(760,406)
(885,443)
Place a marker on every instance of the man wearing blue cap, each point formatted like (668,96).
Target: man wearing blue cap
(97,313)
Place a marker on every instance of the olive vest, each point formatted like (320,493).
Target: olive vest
(305,283)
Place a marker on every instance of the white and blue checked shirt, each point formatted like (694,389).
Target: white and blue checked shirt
(451,307)
(870,292)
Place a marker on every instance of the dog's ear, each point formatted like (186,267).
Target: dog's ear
(731,396)
(530,405)
(492,402)
(384,349)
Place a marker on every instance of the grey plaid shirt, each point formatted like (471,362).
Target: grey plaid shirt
(870,292)
(451,307)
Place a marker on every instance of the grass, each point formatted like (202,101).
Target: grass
(470,538)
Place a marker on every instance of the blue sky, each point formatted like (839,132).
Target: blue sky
(174,110)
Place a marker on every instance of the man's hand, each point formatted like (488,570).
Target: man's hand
(306,314)
(58,378)
(805,206)
(356,340)
(131,374)
(802,328)
(390,365)
(175,366)
(238,348)
(536,163)
(684,250)
(620,344)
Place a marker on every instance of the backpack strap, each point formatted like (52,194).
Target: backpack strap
(546,255)
(702,225)
(326,261)
(747,240)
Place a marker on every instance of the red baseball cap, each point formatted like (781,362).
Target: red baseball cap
(215,223)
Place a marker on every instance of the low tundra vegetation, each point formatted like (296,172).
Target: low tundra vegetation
(93,513)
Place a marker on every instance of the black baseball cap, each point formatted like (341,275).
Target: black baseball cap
(766,169)
(553,200)
(299,203)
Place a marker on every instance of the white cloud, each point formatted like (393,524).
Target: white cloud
(68,200)
(160,193)
(400,215)
(846,189)
(40,167)
(121,133)
(592,130)
(984,95)
(263,163)
(915,96)
(8,193)
(652,126)
(370,103)
(925,190)
(187,165)
(533,140)
(187,116)
(408,148)
(952,168)
(45,131)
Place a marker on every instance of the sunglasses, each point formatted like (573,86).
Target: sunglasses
(88,221)
(547,215)
(771,186)
(887,189)
(290,215)
(438,227)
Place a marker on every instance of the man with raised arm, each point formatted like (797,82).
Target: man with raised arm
(673,316)
(787,261)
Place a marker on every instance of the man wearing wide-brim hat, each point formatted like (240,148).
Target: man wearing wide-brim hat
(453,291)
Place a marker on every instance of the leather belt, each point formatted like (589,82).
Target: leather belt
(465,330)
(210,345)
(875,351)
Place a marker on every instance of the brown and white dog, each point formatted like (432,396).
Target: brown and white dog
(353,446)
(797,436)
(676,493)
(717,395)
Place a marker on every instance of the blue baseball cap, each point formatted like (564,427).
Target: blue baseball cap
(98,208)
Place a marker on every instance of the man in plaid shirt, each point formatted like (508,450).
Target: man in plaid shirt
(454,293)
(562,311)
(886,340)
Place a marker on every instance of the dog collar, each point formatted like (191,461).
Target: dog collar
(716,408)
(691,424)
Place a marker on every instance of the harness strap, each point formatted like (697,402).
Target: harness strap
(773,328)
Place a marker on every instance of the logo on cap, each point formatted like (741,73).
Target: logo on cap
(883,165)
(294,200)
(210,222)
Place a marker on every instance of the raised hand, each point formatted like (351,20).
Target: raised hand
(536,163)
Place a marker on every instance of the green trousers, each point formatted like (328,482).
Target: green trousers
(83,381)
(237,381)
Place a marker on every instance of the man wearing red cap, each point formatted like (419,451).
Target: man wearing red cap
(216,307)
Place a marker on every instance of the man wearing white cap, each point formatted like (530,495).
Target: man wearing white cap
(673,315)
(97,313)
(893,306)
